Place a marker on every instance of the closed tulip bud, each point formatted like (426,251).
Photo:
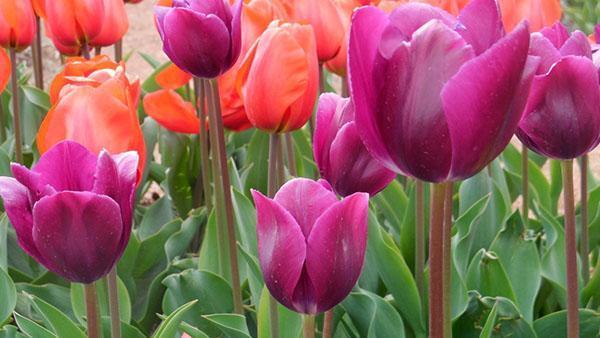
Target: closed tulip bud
(17,24)
(5,68)
(201,37)
(280,78)
(114,24)
(72,211)
(311,246)
(437,97)
(75,22)
(338,63)
(539,13)
(95,104)
(341,157)
(68,50)
(562,116)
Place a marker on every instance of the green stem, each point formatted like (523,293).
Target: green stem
(525,183)
(36,53)
(2,123)
(16,111)
(97,50)
(272,180)
(345,89)
(92,313)
(291,155)
(308,326)
(420,240)
(448,205)
(328,324)
(584,250)
(571,251)
(113,301)
(200,97)
(436,262)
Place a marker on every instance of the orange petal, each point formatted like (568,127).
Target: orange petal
(17,24)
(539,13)
(170,110)
(172,77)
(114,25)
(4,69)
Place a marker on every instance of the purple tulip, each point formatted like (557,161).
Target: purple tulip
(339,152)
(311,246)
(562,116)
(73,211)
(202,37)
(437,97)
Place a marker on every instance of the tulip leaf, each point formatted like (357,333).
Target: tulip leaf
(230,325)
(155,217)
(257,162)
(126,329)
(10,331)
(245,219)
(487,275)
(4,242)
(150,85)
(60,324)
(178,243)
(78,300)
(373,316)
(406,228)
(290,322)
(464,228)
(304,154)
(53,294)
(170,325)
(255,278)
(208,259)
(150,130)
(8,296)
(554,325)
(32,328)
(151,60)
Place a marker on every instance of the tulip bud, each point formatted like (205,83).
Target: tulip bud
(17,24)
(5,68)
(562,116)
(280,78)
(74,22)
(72,211)
(311,246)
(95,104)
(341,157)
(201,37)
(114,24)
(437,97)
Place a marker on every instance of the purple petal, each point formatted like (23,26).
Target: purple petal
(33,181)
(196,43)
(484,102)
(235,34)
(480,24)
(336,250)
(18,208)
(305,200)
(557,34)
(409,86)
(353,169)
(281,248)
(410,17)
(67,166)
(562,117)
(78,234)
(542,47)
(216,7)
(368,24)
(578,44)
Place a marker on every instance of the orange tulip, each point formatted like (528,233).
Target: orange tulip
(451,6)
(279,77)
(325,20)
(63,49)
(17,24)
(74,22)
(4,69)
(172,77)
(171,111)
(114,25)
(97,109)
(539,13)
(39,7)
(337,64)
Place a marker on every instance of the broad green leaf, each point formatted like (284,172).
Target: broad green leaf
(554,325)
(127,330)
(290,322)
(170,325)
(487,275)
(488,328)
(60,324)
(257,162)
(230,325)
(407,224)
(8,296)
(208,259)
(10,331)
(31,328)
(373,316)
(464,227)
(53,294)
(4,242)
(158,214)
(179,242)
(255,278)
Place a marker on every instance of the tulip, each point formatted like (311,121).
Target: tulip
(341,157)
(323,16)
(68,50)
(171,111)
(539,13)
(72,211)
(96,106)
(75,22)
(337,64)
(172,77)
(311,246)
(17,24)
(422,87)
(114,24)
(5,69)
(201,37)
(280,78)
(39,7)
(562,116)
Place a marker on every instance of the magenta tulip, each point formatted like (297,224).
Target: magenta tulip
(341,157)
(437,97)
(562,116)
(311,246)
(72,211)
(202,37)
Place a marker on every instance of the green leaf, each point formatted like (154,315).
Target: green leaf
(8,296)
(290,322)
(245,220)
(554,325)
(32,328)
(488,328)
(373,316)
(10,331)
(150,85)
(127,330)
(178,243)
(60,324)
(230,325)
(154,63)
(487,275)
(155,217)
(257,162)
(53,294)
(78,300)
(170,325)
(463,225)
(255,278)
(207,259)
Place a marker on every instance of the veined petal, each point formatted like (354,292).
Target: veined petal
(578,44)
(542,47)
(480,24)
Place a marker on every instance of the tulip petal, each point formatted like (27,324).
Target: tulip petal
(172,77)
(336,250)
(315,200)
(326,128)
(578,44)
(562,117)
(172,112)
(204,47)
(470,108)
(542,47)
(409,17)
(235,34)
(114,24)
(5,67)
(557,34)
(34,181)
(281,248)
(67,166)
(216,7)
(480,24)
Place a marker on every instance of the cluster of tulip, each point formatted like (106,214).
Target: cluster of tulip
(432,90)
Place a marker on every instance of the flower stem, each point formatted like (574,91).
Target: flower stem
(97,50)
(36,53)
(436,262)
(420,240)
(584,250)
(308,326)
(291,155)
(200,97)
(448,205)
(119,50)
(2,125)
(16,111)
(92,313)
(230,231)
(85,51)
(571,251)
(113,300)
(328,324)
(273,184)
(525,183)
(345,91)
